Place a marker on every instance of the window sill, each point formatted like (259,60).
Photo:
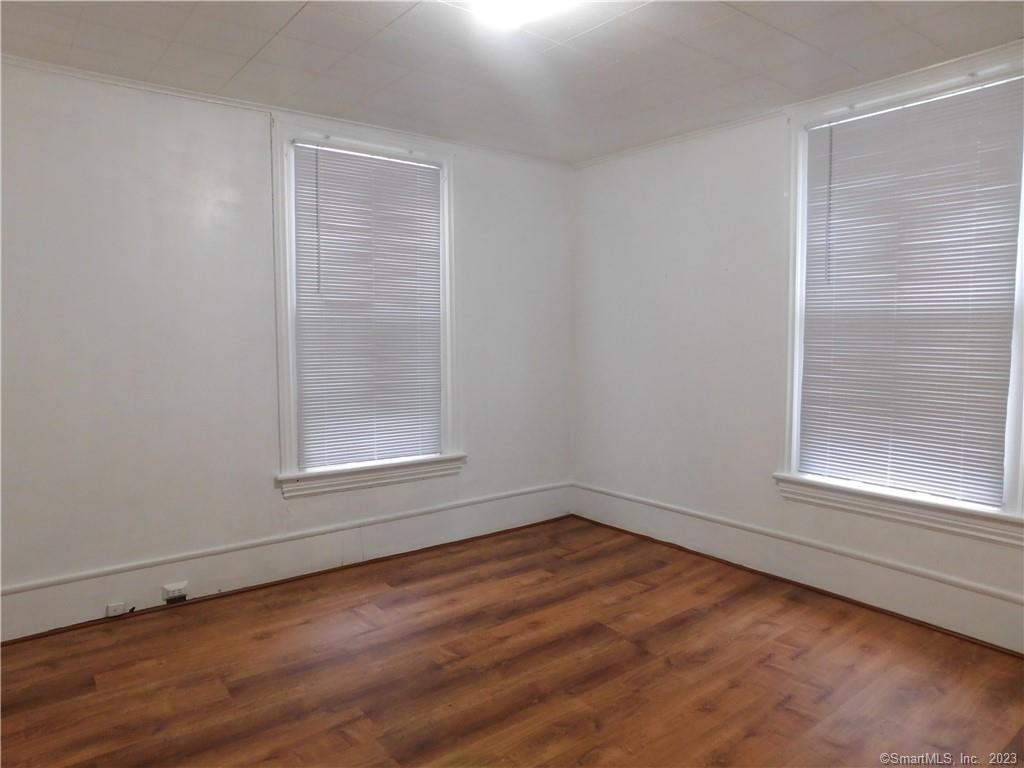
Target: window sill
(965,519)
(368,474)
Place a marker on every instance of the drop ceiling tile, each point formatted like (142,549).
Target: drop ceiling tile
(567,67)
(14,43)
(37,22)
(908,12)
(156,19)
(709,99)
(625,101)
(680,61)
(715,102)
(967,27)
(373,113)
(453,26)
(299,54)
(745,111)
(563,26)
(264,16)
(400,50)
(480,55)
(426,123)
(258,91)
(452,121)
(318,23)
(647,128)
(642,72)
(201,31)
(364,76)
(785,15)
(13,8)
(833,85)
(681,19)
(119,43)
(430,124)
(732,35)
(617,39)
(416,53)
(424,92)
(446,22)
(548,94)
(508,68)
(761,89)
(70,8)
(346,90)
(691,104)
(195,69)
(667,91)
(179,55)
(846,29)
(286,87)
(108,63)
(772,49)
(185,79)
(504,71)
(876,54)
(790,62)
(889,64)
(399,100)
(799,75)
(274,77)
(965,43)
(312,99)
(377,13)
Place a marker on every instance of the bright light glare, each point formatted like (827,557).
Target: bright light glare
(512,14)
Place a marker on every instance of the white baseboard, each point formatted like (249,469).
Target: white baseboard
(64,599)
(977,610)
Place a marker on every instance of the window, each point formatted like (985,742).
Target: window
(365,332)
(910,285)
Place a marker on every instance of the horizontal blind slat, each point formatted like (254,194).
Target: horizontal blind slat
(912,221)
(367,308)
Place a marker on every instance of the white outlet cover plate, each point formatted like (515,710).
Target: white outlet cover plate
(174,589)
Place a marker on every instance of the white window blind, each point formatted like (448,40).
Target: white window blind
(367,307)
(912,239)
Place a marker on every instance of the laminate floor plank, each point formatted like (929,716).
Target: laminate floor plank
(565,643)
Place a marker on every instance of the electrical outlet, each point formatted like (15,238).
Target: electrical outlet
(175,592)
(115,609)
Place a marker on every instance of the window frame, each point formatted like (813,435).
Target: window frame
(286,130)
(1003,524)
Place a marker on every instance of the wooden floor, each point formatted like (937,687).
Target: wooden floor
(565,643)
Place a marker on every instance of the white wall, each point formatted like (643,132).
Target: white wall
(139,379)
(140,429)
(681,321)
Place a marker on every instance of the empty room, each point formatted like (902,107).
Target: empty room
(512,383)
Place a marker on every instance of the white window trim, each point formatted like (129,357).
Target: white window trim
(368,474)
(1003,524)
(285,131)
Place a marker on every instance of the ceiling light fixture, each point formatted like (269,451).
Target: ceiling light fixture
(512,14)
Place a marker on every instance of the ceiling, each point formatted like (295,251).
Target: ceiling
(601,77)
